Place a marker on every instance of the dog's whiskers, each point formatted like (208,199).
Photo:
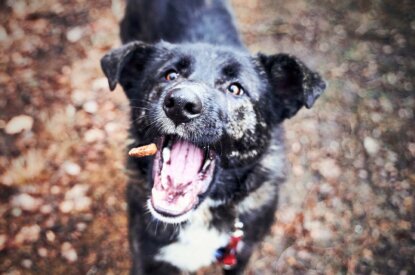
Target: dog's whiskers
(140,108)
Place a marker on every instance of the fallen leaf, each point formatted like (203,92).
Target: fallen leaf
(28,234)
(68,252)
(18,124)
(26,202)
(371,145)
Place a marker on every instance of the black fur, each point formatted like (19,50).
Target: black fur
(198,39)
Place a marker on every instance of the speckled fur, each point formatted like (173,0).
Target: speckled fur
(201,43)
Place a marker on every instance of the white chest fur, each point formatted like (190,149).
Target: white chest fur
(197,243)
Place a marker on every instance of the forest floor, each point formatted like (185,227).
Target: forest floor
(348,207)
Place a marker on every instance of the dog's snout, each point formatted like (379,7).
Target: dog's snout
(182,105)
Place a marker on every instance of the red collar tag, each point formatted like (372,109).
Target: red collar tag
(227,255)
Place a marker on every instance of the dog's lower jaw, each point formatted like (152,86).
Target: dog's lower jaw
(172,220)
(182,174)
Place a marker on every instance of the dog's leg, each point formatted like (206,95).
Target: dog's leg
(136,267)
(136,253)
(153,268)
(160,268)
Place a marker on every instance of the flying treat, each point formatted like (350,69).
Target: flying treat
(143,151)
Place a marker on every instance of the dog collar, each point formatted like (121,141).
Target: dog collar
(227,255)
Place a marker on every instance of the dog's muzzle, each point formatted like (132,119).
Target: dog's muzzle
(182,104)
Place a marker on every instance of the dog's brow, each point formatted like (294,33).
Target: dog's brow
(231,69)
(184,62)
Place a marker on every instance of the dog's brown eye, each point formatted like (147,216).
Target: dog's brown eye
(235,89)
(171,75)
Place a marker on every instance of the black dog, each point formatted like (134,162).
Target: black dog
(215,113)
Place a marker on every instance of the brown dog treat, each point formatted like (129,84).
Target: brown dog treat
(143,151)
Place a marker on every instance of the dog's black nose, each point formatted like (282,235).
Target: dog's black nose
(182,105)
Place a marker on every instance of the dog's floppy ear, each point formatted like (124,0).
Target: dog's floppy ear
(293,83)
(114,61)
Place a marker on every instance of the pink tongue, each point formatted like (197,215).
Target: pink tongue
(185,162)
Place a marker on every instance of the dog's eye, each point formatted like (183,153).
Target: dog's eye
(235,89)
(171,75)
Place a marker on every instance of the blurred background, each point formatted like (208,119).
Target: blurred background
(348,207)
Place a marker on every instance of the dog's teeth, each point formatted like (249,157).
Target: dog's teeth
(166,154)
(211,155)
(206,165)
(170,197)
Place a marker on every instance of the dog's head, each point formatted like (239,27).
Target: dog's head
(208,108)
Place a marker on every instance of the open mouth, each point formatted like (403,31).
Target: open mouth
(182,173)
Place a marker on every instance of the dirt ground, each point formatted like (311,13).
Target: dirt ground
(348,207)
